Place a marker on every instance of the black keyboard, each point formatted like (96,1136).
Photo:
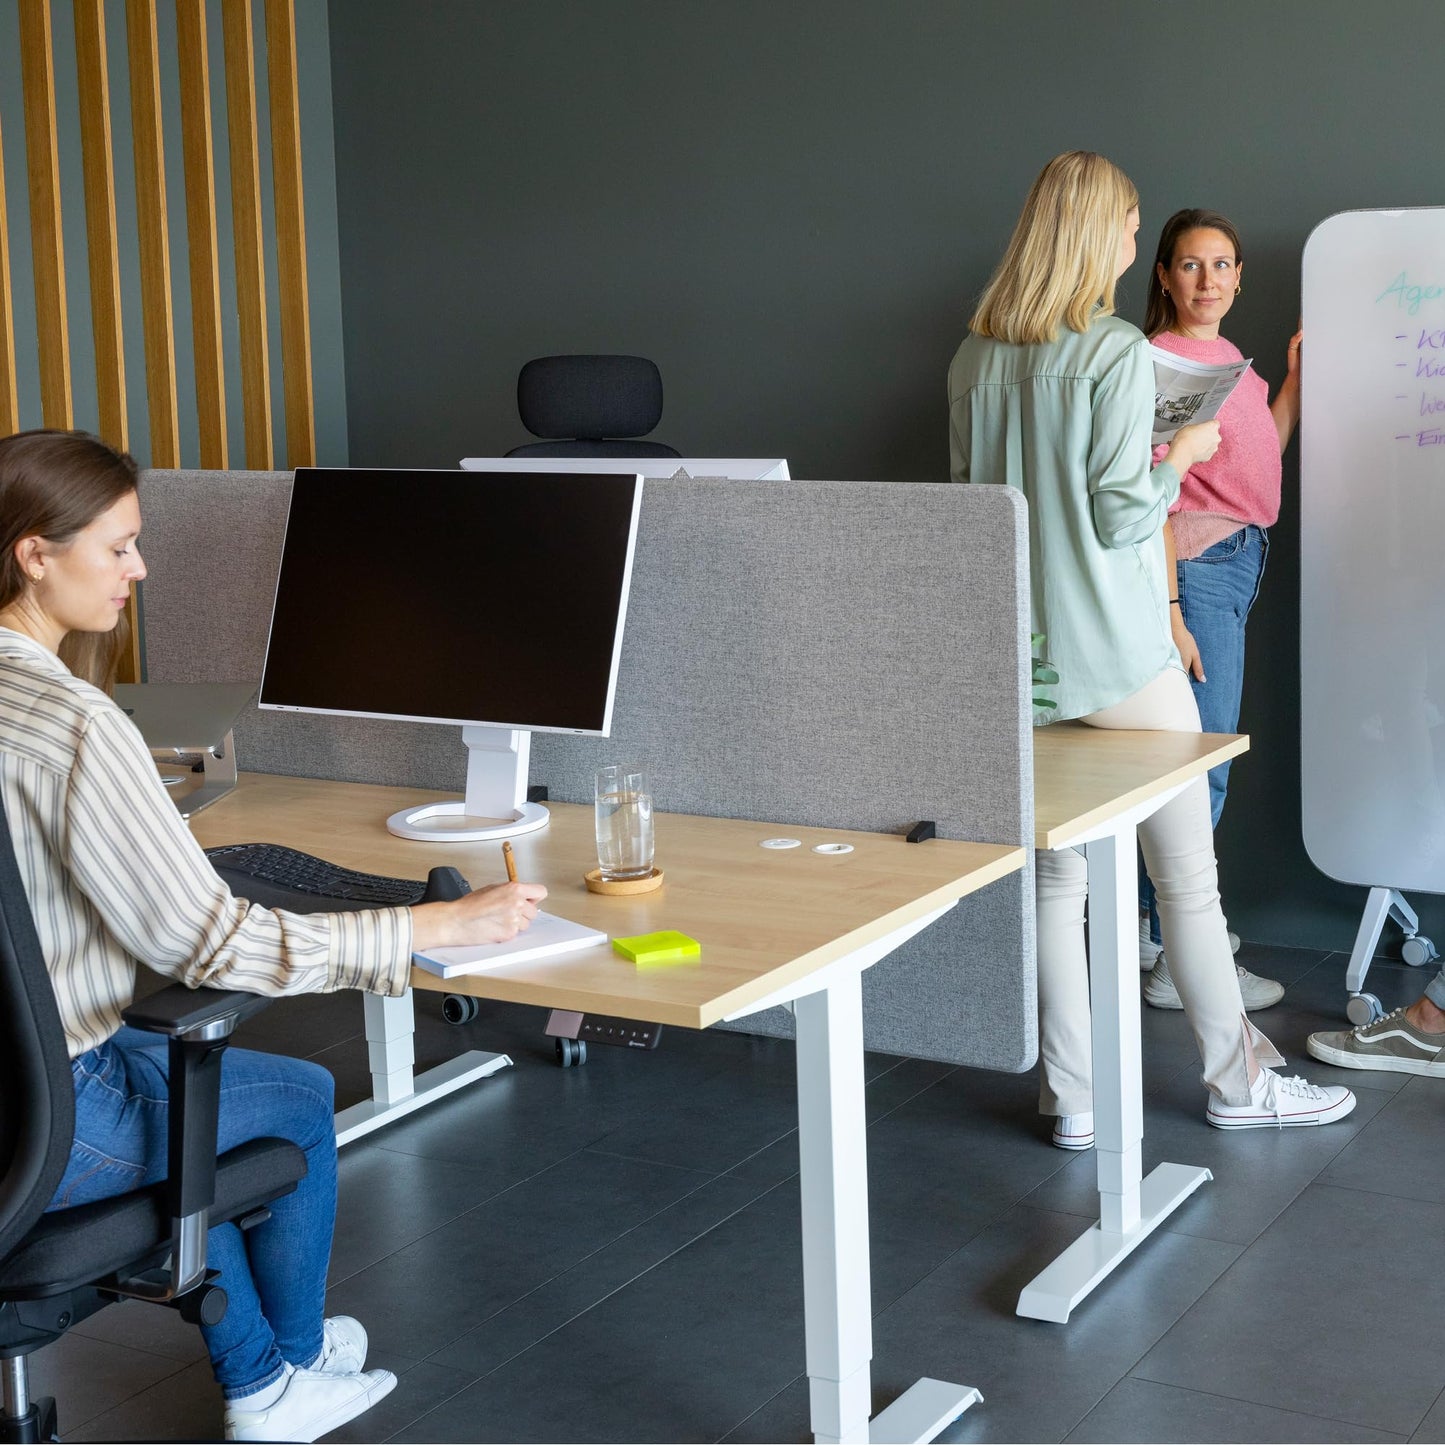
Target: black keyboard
(287,870)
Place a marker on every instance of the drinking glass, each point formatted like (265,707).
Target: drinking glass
(624,822)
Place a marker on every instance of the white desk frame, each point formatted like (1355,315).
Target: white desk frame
(832,1158)
(391,1054)
(1131,1207)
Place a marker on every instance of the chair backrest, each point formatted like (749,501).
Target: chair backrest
(37,1097)
(590,406)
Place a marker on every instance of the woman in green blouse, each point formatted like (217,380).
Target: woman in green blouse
(1054,394)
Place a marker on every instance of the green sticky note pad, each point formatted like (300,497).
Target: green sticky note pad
(667,946)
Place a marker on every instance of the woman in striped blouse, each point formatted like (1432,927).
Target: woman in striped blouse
(114,877)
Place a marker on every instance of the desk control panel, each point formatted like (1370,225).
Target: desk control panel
(574,1031)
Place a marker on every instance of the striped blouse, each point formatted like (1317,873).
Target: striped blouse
(114,876)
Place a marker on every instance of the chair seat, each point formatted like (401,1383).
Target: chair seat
(73,1247)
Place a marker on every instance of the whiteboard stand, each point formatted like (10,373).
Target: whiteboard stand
(1383,903)
(1372,591)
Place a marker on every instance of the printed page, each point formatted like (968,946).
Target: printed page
(1186,392)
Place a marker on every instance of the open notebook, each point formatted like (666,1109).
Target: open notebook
(548,935)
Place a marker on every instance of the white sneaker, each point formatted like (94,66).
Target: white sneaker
(1159,990)
(343,1347)
(1148,949)
(311,1405)
(1233,940)
(1276,1101)
(1074,1131)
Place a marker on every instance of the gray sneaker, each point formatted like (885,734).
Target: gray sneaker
(1392,1045)
(1159,990)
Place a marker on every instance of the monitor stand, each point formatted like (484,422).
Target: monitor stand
(496,806)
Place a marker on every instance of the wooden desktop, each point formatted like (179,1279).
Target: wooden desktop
(777,926)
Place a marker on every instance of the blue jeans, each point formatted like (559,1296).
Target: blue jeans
(274,1274)
(1216,591)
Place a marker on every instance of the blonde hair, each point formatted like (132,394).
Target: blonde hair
(1059,265)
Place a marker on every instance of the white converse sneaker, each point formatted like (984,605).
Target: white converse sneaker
(311,1405)
(1074,1131)
(343,1347)
(1278,1102)
(1257,992)
(1148,949)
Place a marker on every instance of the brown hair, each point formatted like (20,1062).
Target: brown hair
(54,484)
(1159,314)
(1059,265)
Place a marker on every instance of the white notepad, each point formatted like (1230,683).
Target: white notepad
(548,935)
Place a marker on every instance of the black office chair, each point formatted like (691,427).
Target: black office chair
(58,1269)
(590,406)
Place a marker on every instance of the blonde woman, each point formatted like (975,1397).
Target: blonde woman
(1053,394)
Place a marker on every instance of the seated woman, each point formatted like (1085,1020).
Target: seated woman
(1053,394)
(114,877)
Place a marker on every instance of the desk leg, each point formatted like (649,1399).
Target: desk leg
(1130,1207)
(395,1090)
(837,1303)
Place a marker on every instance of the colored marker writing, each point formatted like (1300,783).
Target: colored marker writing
(1409,296)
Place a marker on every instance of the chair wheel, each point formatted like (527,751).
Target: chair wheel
(460,1008)
(571,1051)
(1418,950)
(1363,1008)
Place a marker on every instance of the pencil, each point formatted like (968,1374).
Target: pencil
(510,861)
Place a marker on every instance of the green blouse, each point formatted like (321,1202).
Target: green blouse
(1068,423)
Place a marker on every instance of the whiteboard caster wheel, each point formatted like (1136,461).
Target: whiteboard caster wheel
(460,1008)
(1418,950)
(571,1051)
(1363,1008)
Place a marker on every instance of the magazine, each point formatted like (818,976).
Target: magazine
(1186,392)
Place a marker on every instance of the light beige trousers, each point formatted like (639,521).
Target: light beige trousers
(1178,844)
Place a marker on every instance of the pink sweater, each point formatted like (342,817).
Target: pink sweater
(1240,483)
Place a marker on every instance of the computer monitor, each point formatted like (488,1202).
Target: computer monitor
(490,602)
(740,469)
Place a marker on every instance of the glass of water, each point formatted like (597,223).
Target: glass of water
(624,822)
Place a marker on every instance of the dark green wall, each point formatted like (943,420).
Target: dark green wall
(790,204)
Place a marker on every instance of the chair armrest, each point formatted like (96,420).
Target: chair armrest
(181,1012)
(199,1023)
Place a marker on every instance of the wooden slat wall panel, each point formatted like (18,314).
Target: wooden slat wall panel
(246,224)
(290,234)
(151,217)
(99,167)
(9,399)
(201,230)
(37,72)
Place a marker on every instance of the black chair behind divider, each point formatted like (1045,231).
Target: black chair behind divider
(590,406)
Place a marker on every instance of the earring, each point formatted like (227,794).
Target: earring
(36,576)
(1164,289)
(1237,288)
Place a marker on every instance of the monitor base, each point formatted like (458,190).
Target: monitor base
(451,823)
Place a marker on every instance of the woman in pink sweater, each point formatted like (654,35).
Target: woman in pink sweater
(1216,539)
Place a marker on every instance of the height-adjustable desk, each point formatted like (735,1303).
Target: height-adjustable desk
(1092,788)
(777,927)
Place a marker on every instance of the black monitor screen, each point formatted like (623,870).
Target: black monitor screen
(464,597)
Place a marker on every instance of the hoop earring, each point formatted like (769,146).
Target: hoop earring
(1164,289)
(1237,288)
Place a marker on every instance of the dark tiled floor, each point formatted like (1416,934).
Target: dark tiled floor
(611,1253)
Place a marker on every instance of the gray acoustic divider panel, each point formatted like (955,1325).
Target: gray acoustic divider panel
(836,654)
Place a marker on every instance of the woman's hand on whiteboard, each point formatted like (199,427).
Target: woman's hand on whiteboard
(1184,641)
(1292,355)
(1192,445)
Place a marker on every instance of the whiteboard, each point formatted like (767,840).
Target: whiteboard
(1372,549)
